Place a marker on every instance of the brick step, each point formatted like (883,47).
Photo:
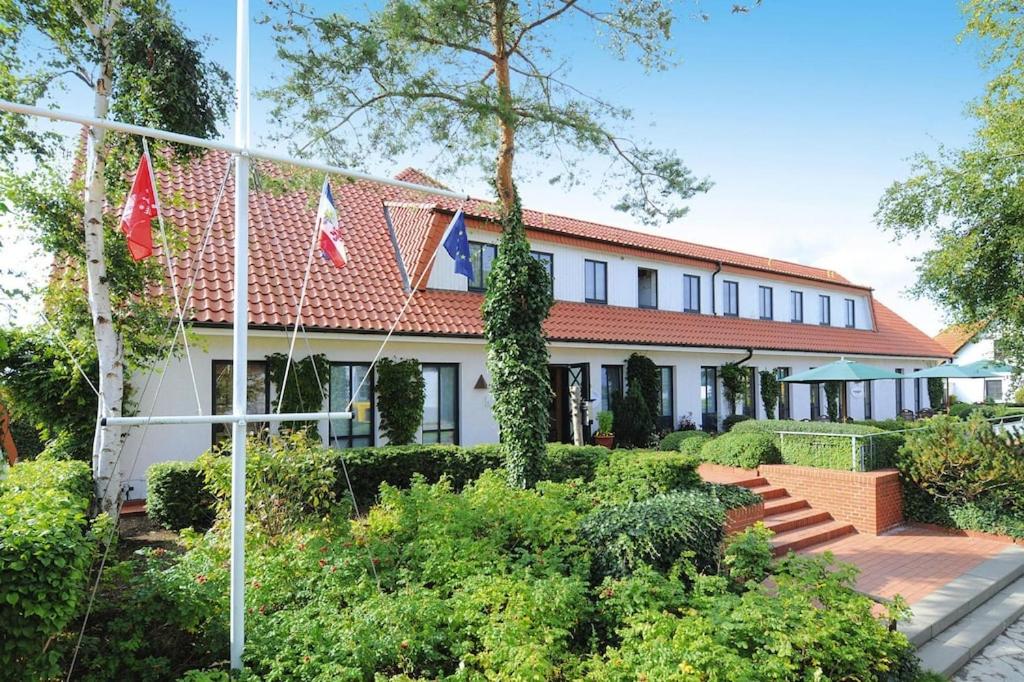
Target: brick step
(808,536)
(750,482)
(769,492)
(784,504)
(799,518)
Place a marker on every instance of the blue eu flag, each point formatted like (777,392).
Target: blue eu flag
(457,246)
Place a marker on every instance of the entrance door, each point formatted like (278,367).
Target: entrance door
(563,378)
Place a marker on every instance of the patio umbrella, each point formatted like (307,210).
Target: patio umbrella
(842,370)
(981,369)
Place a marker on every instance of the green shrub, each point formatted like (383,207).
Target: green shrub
(731,496)
(748,555)
(828,451)
(634,423)
(770,392)
(564,462)
(672,441)
(657,531)
(936,393)
(961,410)
(693,443)
(746,450)
(46,546)
(176,496)
(605,423)
(65,446)
(400,395)
(628,476)
(732,420)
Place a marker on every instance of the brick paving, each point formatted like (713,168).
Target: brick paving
(1003,659)
(910,561)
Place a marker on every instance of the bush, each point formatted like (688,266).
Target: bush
(672,441)
(400,396)
(748,555)
(628,476)
(770,392)
(657,531)
(828,451)
(634,423)
(176,496)
(564,462)
(46,546)
(745,450)
(693,444)
(731,496)
(732,420)
(65,446)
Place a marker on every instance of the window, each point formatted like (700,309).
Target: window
(666,403)
(481,256)
(824,310)
(730,298)
(691,293)
(815,401)
(867,399)
(796,302)
(917,395)
(611,385)
(993,390)
(766,303)
(548,261)
(441,403)
(750,400)
(780,374)
(851,313)
(596,274)
(257,392)
(709,398)
(899,393)
(647,288)
(358,431)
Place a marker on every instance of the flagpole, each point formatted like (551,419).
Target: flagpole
(240,352)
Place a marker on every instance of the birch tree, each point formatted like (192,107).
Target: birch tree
(138,66)
(482,80)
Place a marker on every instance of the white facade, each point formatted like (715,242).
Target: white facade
(474,421)
(981,347)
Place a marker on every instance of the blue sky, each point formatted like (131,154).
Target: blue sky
(801,113)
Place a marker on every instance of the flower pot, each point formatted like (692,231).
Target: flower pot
(607,441)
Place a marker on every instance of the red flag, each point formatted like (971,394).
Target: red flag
(139,211)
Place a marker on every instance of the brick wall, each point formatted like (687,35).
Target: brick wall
(872,501)
(742,517)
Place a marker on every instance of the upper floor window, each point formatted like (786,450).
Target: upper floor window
(691,293)
(851,312)
(647,288)
(596,285)
(548,261)
(824,309)
(796,302)
(482,257)
(730,298)
(766,303)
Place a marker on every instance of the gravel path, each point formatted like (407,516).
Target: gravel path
(1003,659)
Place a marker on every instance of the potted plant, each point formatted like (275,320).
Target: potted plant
(604,435)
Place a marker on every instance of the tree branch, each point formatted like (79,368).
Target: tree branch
(567,4)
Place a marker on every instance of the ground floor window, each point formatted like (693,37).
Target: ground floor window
(611,385)
(784,391)
(347,378)
(993,390)
(750,399)
(666,402)
(709,398)
(257,395)
(867,387)
(441,404)
(815,401)
(917,395)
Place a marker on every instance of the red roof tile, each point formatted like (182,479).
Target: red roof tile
(367,294)
(956,336)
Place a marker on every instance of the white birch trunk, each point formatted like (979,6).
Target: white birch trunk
(110,351)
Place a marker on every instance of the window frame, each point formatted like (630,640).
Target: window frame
(456,430)
(667,421)
(712,397)
(539,256)
(372,382)
(785,395)
(869,401)
(590,265)
(815,401)
(688,283)
(730,285)
(750,399)
(479,267)
(654,275)
(606,404)
(215,365)
(899,391)
(793,297)
(824,310)
(990,381)
(761,291)
(850,307)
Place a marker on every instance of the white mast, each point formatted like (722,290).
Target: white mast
(240,355)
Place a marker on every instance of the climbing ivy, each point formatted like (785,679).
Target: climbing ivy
(306,390)
(832,399)
(734,383)
(770,392)
(400,395)
(643,374)
(517,303)
(936,393)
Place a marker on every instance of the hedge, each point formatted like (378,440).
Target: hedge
(628,476)
(828,451)
(46,546)
(176,496)
(742,449)
(672,441)
(693,444)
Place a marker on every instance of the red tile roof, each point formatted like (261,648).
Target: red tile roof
(956,336)
(367,294)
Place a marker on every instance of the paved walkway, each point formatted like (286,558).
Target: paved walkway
(910,561)
(1003,659)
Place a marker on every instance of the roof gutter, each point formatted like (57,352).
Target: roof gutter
(714,304)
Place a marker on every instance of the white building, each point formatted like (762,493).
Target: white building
(967,344)
(690,308)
